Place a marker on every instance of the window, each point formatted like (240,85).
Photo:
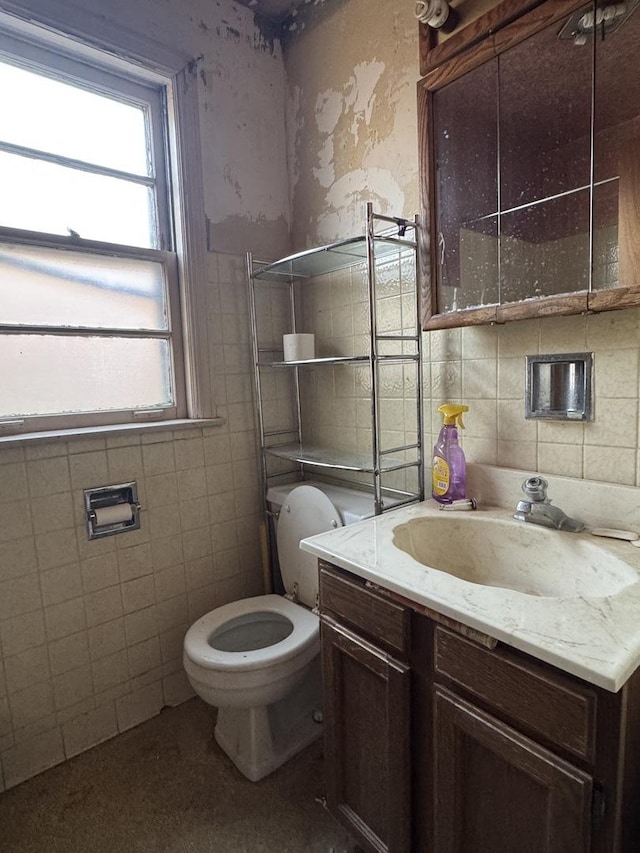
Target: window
(90,325)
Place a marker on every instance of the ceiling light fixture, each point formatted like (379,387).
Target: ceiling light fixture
(604,20)
(437,14)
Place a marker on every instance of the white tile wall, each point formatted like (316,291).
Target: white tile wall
(483,367)
(604,449)
(91,632)
(24,760)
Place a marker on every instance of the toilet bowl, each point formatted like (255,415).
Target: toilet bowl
(250,652)
(257,660)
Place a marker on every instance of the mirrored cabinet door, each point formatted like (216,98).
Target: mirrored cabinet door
(531,168)
(545,93)
(466,189)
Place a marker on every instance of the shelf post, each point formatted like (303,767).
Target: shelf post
(373,358)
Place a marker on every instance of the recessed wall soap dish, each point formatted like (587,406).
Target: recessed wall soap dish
(559,387)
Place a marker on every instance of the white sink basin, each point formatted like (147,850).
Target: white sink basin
(514,555)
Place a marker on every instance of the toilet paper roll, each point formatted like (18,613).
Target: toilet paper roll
(113,514)
(298,347)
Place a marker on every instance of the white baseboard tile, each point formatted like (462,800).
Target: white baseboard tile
(176,689)
(139,706)
(89,730)
(32,757)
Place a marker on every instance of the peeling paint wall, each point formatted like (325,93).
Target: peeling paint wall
(242,124)
(352,68)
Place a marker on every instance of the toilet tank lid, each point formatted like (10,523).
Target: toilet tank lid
(352,504)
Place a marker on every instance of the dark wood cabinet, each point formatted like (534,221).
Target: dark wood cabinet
(497,791)
(440,740)
(367,739)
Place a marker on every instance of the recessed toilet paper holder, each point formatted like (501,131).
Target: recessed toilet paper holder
(111,509)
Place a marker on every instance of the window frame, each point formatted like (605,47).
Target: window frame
(183,245)
(99,79)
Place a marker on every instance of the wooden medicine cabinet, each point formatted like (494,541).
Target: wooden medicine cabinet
(530,167)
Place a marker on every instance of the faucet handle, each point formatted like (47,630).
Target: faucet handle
(535,488)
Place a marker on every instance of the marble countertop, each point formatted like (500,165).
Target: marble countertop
(592,636)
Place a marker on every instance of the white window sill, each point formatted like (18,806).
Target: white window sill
(108,430)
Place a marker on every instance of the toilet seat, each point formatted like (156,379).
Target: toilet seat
(306,512)
(305,633)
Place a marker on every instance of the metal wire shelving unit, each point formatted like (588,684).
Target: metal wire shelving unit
(385,238)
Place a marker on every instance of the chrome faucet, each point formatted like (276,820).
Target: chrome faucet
(538,509)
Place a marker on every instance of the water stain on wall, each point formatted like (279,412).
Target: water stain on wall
(351,118)
(241,92)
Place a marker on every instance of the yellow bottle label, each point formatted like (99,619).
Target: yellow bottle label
(441,477)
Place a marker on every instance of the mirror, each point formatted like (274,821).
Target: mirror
(544,166)
(535,167)
(466,150)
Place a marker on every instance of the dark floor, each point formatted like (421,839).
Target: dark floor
(166,787)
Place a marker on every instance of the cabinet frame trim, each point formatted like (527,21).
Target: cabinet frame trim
(469,33)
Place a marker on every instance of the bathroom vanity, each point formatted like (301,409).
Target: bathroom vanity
(477,719)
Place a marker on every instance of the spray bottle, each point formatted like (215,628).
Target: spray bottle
(449,467)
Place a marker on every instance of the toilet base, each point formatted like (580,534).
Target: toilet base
(259,740)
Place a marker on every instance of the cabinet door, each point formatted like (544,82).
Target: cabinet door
(366,725)
(544,104)
(499,792)
(465,134)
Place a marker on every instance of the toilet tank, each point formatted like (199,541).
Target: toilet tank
(313,511)
(352,504)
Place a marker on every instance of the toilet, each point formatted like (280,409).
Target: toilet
(258,659)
